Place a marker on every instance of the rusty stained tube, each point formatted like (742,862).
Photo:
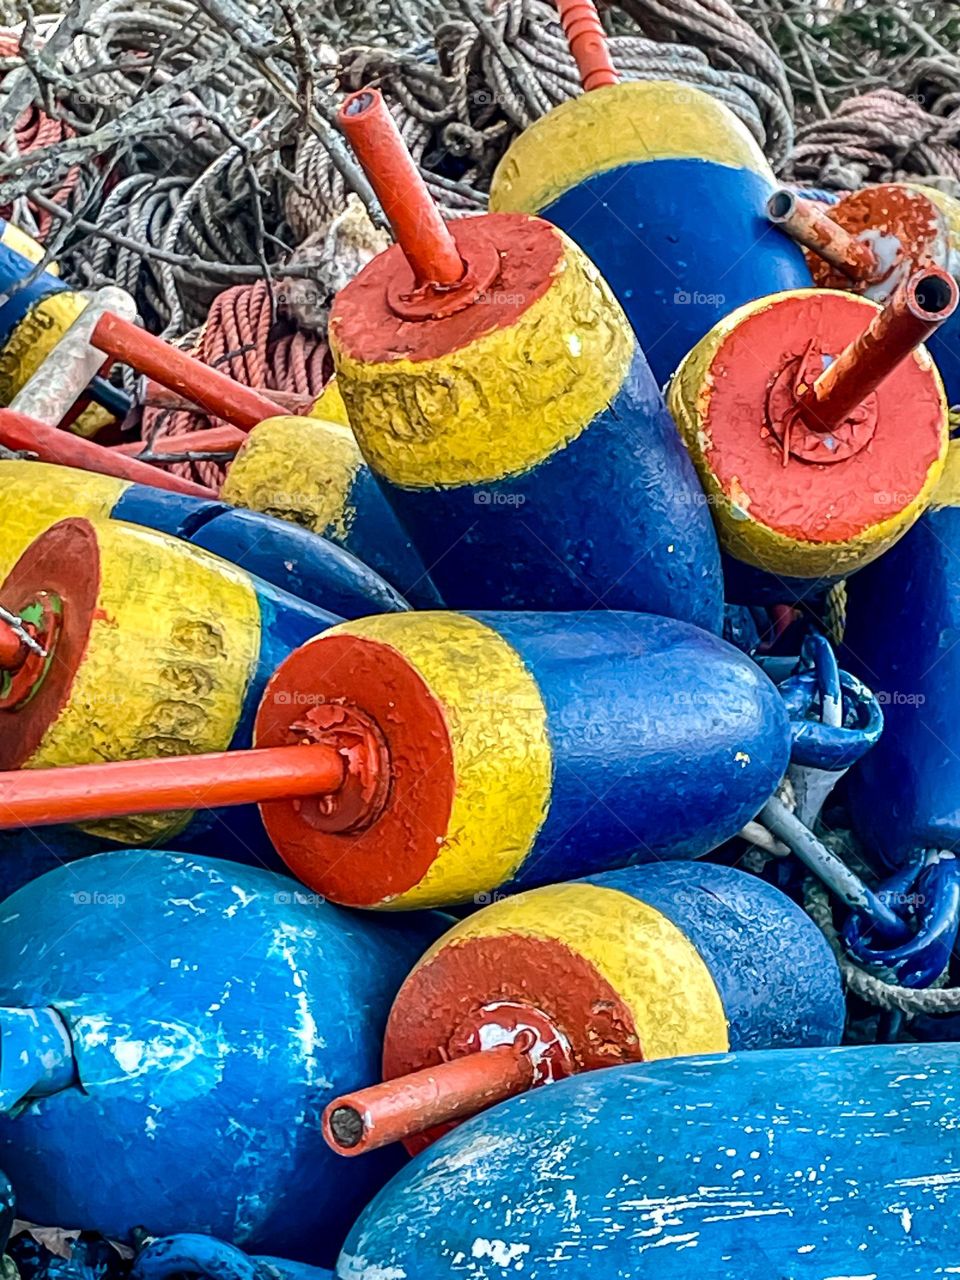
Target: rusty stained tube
(810,225)
(415,220)
(588,43)
(915,310)
(209,389)
(397,1109)
(28,435)
(90,792)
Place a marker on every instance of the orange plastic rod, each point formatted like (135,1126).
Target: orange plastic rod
(210,440)
(810,225)
(12,650)
(417,225)
(588,43)
(916,309)
(196,381)
(50,444)
(398,1109)
(87,792)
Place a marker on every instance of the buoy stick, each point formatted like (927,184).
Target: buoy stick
(210,440)
(916,309)
(397,1109)
(810,225)
(27,435)
(588,43)
(88,792)
(12,649)
(211,390)
(417,225)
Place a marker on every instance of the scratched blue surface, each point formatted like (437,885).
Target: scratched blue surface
(682,736)
(795,1164)
(614,520)
(215,1009)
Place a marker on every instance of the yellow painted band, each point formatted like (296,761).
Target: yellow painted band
(629,123)
(17,240)
(947,493)
(32,341)
(649,962)
(329,406)
(502,761)
(298,469)
(171,650)
(742,535)
(40,494)
(503,403)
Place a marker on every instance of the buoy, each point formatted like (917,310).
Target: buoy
(818,425)
(311,472)
(805,1163)
(902,615)
(119,642)
(34,315)
(871,240)
(185,1256)
(499,395)
(662,187)
(37,494)
(460,754)
(647,962)
(172,1031)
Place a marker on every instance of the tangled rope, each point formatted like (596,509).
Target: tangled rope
(883,136)
(870,989)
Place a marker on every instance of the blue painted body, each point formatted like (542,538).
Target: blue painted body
(376,537)
(801,1164)
(682,736)
(743,928)
(615,520)
(281,553)
(14,306)
(214,1009)
(183,1256)
(682,243)
(903,625)
(944,346)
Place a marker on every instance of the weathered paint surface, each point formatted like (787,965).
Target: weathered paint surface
(33,318)
(214,1009)
(664,189)
(630,965)
(311,473)
(903,624)
(813,1164)
(806,519)
(165,649)
(905,224)
(522,440)
(185,1255)
(283,554)
(503,729)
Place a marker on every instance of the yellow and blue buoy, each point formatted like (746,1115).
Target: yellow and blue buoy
(498,392)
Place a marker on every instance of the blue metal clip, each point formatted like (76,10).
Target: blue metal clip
(926,897)
(835,719)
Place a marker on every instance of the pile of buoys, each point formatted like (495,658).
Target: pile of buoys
(527,769)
